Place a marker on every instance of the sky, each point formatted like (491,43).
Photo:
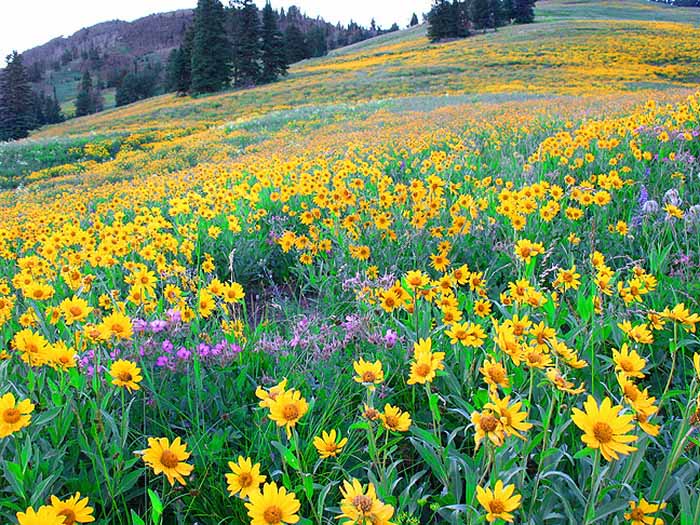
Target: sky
(29,23)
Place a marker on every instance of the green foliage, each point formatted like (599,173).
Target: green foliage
(17,111)
(139,85)
(211,56)
(272,54)
(89,99)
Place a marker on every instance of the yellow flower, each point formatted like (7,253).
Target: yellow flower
(482,308)
(46,515)
(639,333)
(417,279)
(512,419)
(233,293)
(245,478)
(116,324)
(328,445)
(495,374)
(499,502)
(368,373)
(361,507)
(62,357)
(526,250)
(568,279)
(33,346)
(273,506)
(696,363)
(681,314)
(206,303)
(288,409)
(563,384)
(75,309)
(604,428)
(628,362)
(487,425)
(169,459)
(73,510)
(639,513)
(390,300)
(267,396)
(467,334)
(14,416)
(393,418)
(125,374)
(425,363)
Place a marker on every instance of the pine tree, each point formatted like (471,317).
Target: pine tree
(179,70)
(523,11)
(460,10)
(440,18)
(84,104)
(296,45)
(497,13)
(481,14)
(274,61)
(414,20)
(211,61)
(317,42)
(247,50)
(507,6)
(38,106)
(16,110)
(52,110)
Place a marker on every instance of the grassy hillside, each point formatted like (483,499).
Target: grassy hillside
(476,262)
(565,54)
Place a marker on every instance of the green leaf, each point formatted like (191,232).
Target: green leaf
(157,507)
(308,486)
(287,455)
(135,519)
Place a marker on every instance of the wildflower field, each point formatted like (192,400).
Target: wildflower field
(411,283)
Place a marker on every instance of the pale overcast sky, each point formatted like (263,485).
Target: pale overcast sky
(28,23)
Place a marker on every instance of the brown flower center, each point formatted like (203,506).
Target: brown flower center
(69,516)
(391,421)
(488,423)
(11,415)
(272,515)
(423,369)
(496,506)
(371,414)
(626,365)
(603,432)
(368,377)
(637,514)
(169,459)
(75,311)
(290,412)
(497,374)
(245,479)
(125,376)
(362,503)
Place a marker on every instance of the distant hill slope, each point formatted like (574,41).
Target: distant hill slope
(107,50)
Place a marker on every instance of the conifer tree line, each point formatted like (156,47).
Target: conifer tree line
(244,46)
(458,18)
(21,108)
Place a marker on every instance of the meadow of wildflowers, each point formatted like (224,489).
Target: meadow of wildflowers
(412,283)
